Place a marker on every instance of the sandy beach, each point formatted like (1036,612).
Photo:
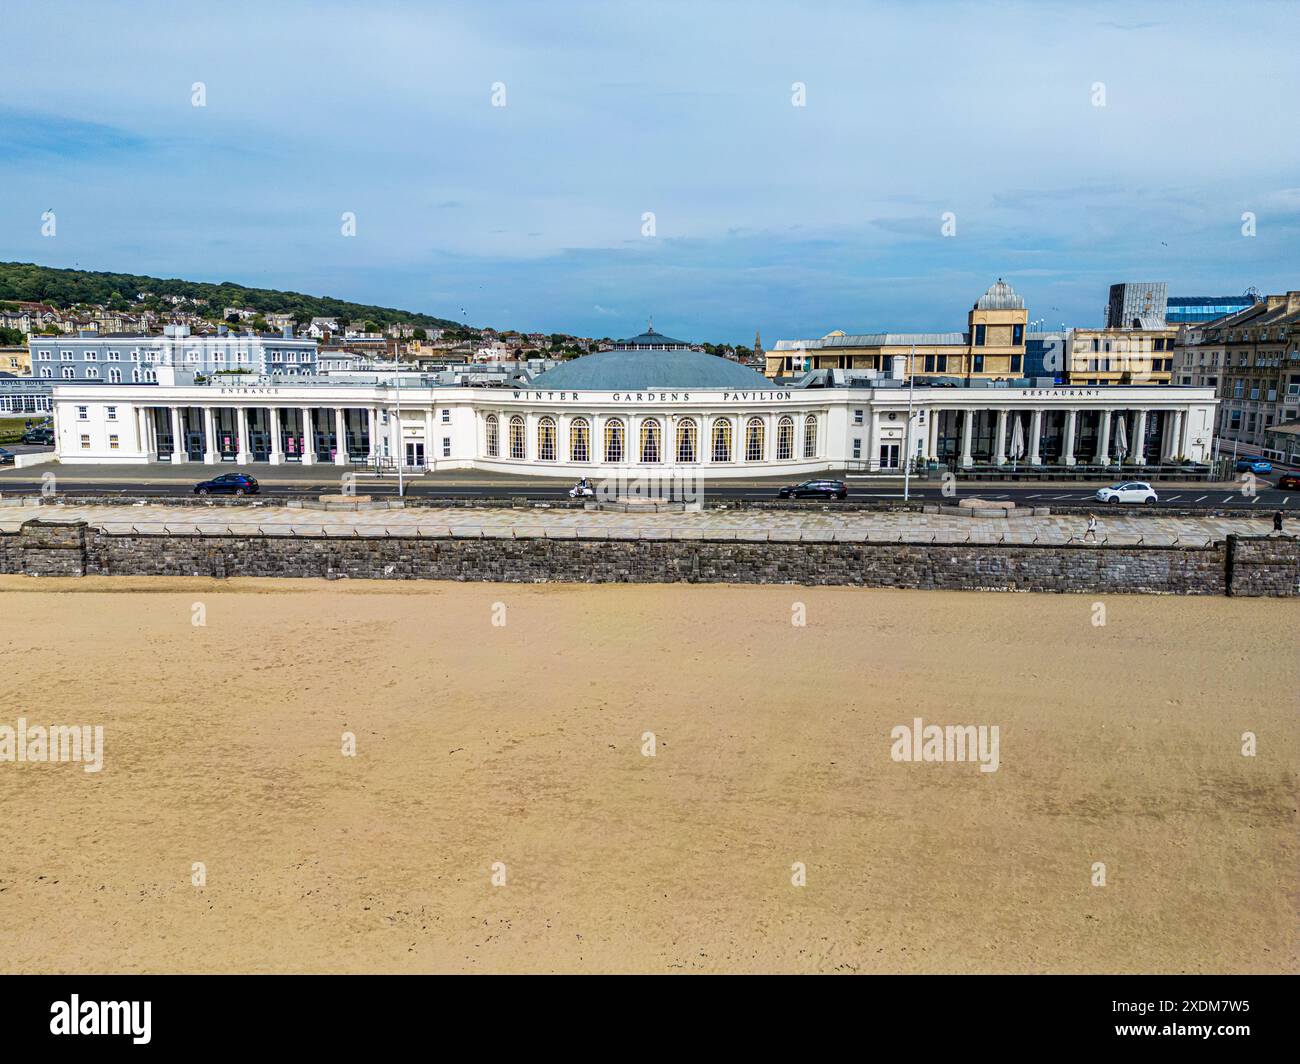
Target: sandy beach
(488,750)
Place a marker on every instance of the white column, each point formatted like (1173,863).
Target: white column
(209,438)
(395,436)
(1035,434)
(1137,447)
(967,426)
(1184,434)
(141,431)
(372,416)
(428,438)
(1067,445)
(178,443)
(1103,439)
(1000,447)
(1168,435)
(244,450)
(308,437)
(276,457)
(932,448)
(340,437)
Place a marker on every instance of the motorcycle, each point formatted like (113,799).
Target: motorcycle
(582,490)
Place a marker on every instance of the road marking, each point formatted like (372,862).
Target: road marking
(1254,500)
(1031,496)
(1171,498)
(1063,496)
(1202,497)
(1229,498)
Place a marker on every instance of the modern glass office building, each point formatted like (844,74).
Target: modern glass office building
(1181,310)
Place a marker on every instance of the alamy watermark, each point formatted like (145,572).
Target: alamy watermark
(946,743)
(57,743)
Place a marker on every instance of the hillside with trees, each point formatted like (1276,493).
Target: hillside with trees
(118,291)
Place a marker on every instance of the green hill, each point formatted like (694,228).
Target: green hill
(64,288)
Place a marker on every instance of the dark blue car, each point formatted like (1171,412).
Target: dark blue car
(227,484)
(1254,465)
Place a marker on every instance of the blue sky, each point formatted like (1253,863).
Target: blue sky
(792,220)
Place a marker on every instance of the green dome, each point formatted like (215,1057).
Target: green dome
(643,371)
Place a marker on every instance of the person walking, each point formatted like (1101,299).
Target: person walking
(1091,534)
(1277,522)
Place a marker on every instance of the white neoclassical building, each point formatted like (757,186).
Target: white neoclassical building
(651,406)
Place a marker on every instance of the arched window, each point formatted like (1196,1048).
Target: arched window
(754,440)
(493,437)
(722,440)
(810,436)
(579,440)
(47,371)
(135,376)
(688,433)
(651,439)
(516,437)
(785,439)
(546,439)
(69,373)
(613,440)
(114,376)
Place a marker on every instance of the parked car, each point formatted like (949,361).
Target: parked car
(38,435)
(227,484)
(1128,491)
(816,489)
(6,457)
(1254,465)
(1288,482)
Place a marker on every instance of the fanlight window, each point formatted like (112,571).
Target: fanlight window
(493,440)
(516,437)
(651,437)
(614,440)
(722,440)
(754,440)
(810,437)
(687,440)
(785,439)
(546,439)
(580,440)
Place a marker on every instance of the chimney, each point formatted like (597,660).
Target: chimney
(1292,302)
(222,330)
(287,332)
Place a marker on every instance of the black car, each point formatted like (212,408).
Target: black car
(38,435)
(6,457)
(1288,482)
(227,484)
(816,489)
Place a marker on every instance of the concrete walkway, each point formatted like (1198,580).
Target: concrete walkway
(1113,527)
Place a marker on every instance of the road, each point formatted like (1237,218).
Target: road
(294,481)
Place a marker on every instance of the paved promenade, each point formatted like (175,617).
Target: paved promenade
(1113,526)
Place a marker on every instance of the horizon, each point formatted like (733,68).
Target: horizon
(781,211)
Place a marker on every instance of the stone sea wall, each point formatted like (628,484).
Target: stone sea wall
(1245,566)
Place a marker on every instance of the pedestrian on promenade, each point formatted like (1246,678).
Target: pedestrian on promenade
(1277,522)
(1091,534)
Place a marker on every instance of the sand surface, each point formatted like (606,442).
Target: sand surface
(522,744)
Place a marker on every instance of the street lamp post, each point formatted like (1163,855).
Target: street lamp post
(907,432)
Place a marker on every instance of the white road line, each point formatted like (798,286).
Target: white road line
(1202,497)
(1171,498)
(1254,500)
(1031,496)
(1229,498)
(1062,496)
(1286,500)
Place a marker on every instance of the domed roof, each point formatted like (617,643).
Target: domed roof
(1000,296)
(650,338)
(632,370)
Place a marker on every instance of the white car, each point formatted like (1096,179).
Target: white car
(1128,491)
